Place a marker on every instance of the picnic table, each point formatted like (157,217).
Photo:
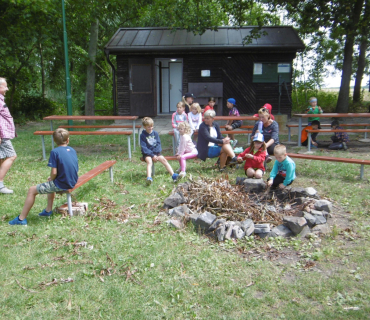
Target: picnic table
(51,118)
(326,115)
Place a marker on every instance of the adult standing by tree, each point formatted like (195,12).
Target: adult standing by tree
(7,132)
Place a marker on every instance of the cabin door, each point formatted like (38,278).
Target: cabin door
(142,88)
(169,79)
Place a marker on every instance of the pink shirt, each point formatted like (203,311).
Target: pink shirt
(7,128)
(186,145)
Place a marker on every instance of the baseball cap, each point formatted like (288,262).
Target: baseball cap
(232,100)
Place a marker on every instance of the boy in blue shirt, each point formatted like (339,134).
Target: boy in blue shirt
(151,149)
(63,176)
(283,172)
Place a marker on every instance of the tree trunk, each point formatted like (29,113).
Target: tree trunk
(360,70)
(343,98)
(90,81)
(42,74)
(362,54)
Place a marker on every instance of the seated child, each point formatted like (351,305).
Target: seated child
(254,157)
(151,150)
(233,124)
(283,172)
(211,104)
(63,176)
(188,100)
(187,149)
(315,125)
(268,107)
(178,117)
(195,117)
(313,109)
(339,139)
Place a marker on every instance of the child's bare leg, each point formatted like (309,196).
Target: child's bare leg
(5,166)
(30,200)
(259,174)
(168,167)
(250,173)
(231,135)
(51,197)
(149,163)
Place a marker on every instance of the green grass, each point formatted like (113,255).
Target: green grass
(126,265)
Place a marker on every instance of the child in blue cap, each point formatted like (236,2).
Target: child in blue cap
(233,124)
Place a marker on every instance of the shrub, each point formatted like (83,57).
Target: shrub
(33,107)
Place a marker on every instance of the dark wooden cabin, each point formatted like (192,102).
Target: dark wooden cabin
(155,67)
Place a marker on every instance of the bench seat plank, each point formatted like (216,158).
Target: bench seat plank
(93,173)
(86,133)
(101,126)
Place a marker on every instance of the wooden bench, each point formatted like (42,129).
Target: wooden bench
(333,159)
(85,133)
(289,126)
(310,131)
(87,177)
(249,132)
(123,126)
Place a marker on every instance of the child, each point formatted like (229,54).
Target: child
(233,124)
(315,125)
(339,139)
(268,107)
(151,150)
(188,100)
(211,104)
(187,149)
(63,176)
(195,117)
(7,132)
(313,109)
(254,157)
(178,117)
(283,172)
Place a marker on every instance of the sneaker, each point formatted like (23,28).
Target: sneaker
(222,170)
(344,147)
(233,161)
(182,174)
(268,159)
(5,190)
(16,221)
(149,181)
(235,143)
(44,213)
(175,177)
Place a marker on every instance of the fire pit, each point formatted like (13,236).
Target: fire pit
(225,211)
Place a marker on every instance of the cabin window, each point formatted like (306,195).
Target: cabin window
(270,72)
(206,73)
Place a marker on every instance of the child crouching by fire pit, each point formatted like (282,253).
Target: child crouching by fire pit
(283,172)
(254,157)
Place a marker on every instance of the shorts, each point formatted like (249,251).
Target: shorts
(147,155)
(6,149)
(48,187)
(214,151)
(237,124)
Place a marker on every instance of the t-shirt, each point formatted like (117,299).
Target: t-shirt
(213,134)
(64,159)
(286,169)
(315,110)
(234,112)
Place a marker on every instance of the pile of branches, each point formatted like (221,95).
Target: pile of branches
(230,202)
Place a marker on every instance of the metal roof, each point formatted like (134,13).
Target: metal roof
(142,40)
